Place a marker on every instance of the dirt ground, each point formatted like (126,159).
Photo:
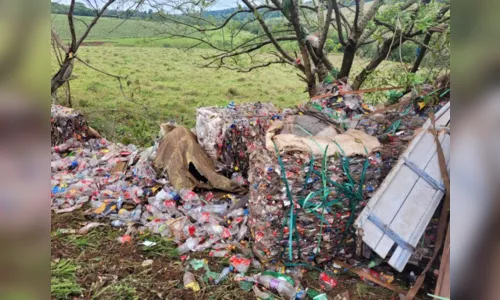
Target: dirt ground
(97,266)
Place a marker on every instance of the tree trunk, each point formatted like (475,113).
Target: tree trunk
(62,75)
(388,45)
(348,58)
(423,51)
(322,71)
(295,19)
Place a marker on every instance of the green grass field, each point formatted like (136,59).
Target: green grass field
(131,33)
(170,84)
(167,83)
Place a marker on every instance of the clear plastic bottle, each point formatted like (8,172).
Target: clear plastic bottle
(236,213)
(218,253)
(214,229)
(260,294)
(224,274)
(188,195)
(242,232)
(284,288)
(207,244)
(215,208)
(189,245)
(118,223)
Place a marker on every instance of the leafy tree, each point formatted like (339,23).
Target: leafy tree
(304,33)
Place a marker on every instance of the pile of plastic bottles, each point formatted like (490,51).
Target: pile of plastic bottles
(230,134)
(88,174)
(321,214)
(66,123)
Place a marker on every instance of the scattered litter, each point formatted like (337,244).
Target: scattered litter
(190,282)
(124,239)
(148,243)
(197,264)
(225,272)
(240,264)
(308,171)
(326,282)
(89,226)
(343,296)
(68,209)
(147,263)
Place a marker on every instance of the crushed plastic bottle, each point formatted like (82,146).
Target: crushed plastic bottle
(224,274)
(284,288)
(240,264)
(189,245)
(261,295)
(218,253)
(326,282)
(190,282)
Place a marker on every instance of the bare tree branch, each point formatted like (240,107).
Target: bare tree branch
(78,19)
(72,25)
(267,31)
(356,16)
(139,3)
(100,71)
(92,24)
(338,20)
(246,70)
(328,20)
(58,40)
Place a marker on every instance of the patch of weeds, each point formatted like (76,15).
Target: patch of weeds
(192,93)
(94,86)
(232,92)
(63,281)
(84,103)
(163,247)
(175,88)
(90,241)
(160,87)
(123,291)
(366,291)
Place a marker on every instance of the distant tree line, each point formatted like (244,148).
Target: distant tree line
(82,10)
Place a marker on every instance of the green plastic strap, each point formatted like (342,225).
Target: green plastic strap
(325,196)
(290,198)
(393,127)
(446,92)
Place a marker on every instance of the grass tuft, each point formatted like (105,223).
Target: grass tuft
(63,281)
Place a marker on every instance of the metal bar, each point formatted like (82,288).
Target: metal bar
(433,182)
(394,236)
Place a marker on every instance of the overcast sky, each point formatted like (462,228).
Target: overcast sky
(219,4)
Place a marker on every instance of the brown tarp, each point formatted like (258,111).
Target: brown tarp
(186,164)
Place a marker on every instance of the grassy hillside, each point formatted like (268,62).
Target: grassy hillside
(170,84)
(131,33)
